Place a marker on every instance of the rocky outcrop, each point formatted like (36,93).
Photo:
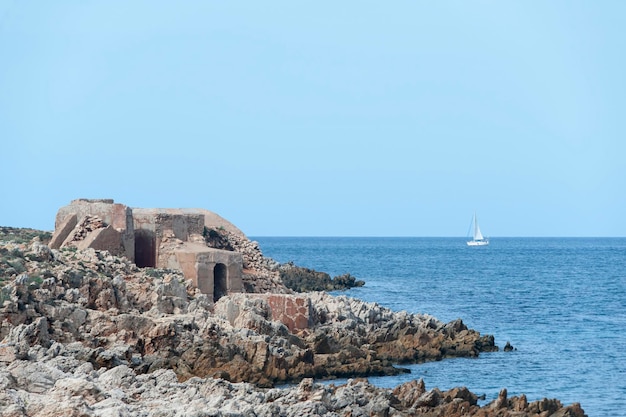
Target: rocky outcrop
(393,336)
(413,399)
(305,279)
(153,318)
(86,333)
(15,235)
(59,385)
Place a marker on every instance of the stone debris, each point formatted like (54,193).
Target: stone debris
(260,274)
(87,225)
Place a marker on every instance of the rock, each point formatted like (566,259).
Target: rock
(19,340)
(78,387)
(501,401)
(429,399)
(508,347)
(408,393)
(40,252)
(34,377)
(461,393)
(118,377)
(98,336)
(305,279)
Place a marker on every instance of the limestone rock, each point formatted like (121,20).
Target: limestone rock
(88,333)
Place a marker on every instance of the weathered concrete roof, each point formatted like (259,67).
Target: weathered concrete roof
(211,219)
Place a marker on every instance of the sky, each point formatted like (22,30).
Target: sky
(351,118)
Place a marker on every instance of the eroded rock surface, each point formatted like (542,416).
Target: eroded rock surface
(87,333)
(260,274)
(151,319)
(61,386)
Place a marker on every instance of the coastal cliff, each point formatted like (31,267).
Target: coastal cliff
(84,332)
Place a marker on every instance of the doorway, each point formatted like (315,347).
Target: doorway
(220,274)
(145,249)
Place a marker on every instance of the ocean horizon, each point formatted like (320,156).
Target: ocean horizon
(262,237)
(560,301)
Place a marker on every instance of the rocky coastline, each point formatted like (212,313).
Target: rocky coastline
(86,333)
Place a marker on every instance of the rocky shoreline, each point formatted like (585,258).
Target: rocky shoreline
(87,333)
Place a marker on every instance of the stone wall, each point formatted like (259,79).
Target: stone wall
(154,226)
(214,272)
(293,311)
(179,223)
(245,310)
(116,216)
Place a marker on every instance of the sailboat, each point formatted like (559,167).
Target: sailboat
(478,239)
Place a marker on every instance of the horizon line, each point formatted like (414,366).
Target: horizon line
(432,237)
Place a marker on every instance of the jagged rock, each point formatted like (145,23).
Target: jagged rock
(408,393)
(105,302)
(501,401)
(305,279)
(260,274)
(40,252)
(95,335)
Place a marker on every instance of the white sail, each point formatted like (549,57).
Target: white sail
(478,239)
(477,234)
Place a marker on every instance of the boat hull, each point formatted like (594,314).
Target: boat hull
(478,243)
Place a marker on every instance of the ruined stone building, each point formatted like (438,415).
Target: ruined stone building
(159,238)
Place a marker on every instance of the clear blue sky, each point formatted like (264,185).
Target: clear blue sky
(320,118)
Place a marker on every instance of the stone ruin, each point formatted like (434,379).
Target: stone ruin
(157,238)
(179,239)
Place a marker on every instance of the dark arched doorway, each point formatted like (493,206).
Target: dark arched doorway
(219,281)
(145,248)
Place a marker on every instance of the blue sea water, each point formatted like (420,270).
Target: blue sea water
(561,302)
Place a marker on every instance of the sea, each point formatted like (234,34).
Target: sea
(561,303)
